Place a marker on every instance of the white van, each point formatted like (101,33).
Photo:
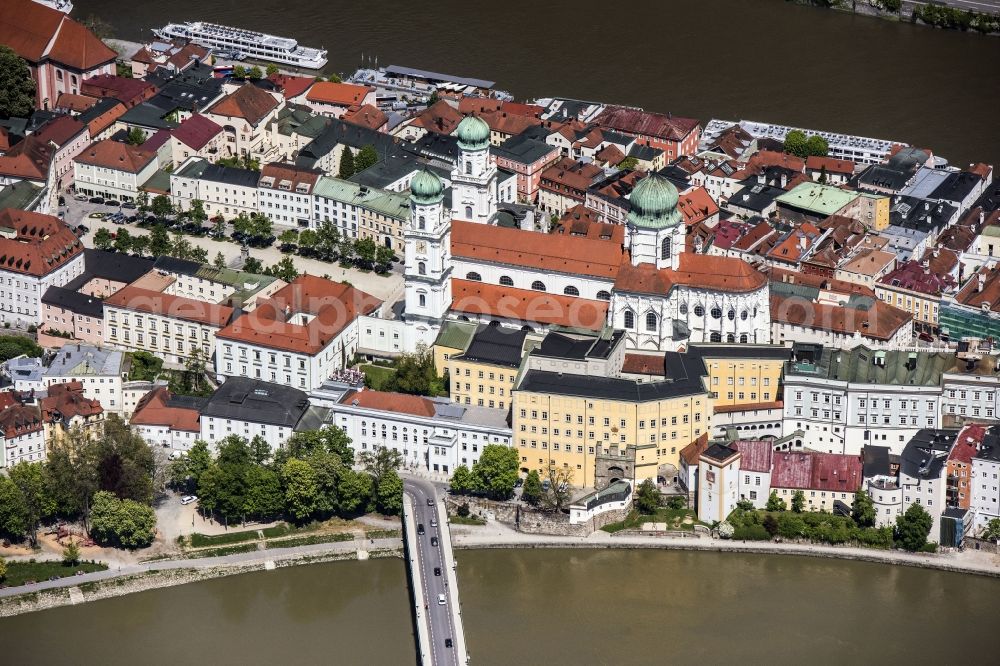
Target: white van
(441,600)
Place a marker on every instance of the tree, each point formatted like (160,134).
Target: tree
(329,439)
(817,146)
(384,256)
(434,98)
(197,212)
(798,501)
(121,523)
(822,175)
(135,137)
(462,481)
(253,265)
(628,163)
(284,269)
(194,370)
(255,73)
(161,206)
(37,501)
(289,237)
(159,241)
(13,511)
(180,247)
(198,459)
(308,239)
(3,569)
(796,143)
(271,70)
(17,345)
(264,498)
(123,243)
(744,505)
(198,254)
(140,245)
(354,490)
(532,491)
(495,472)
(990,533)
(380,463)
(219,261)
(389,499)
(142,201)
(365,249)
(863,509)
(218,227)
(775,503)
(648,498)
(346,163)
(124,462)
(103,239)
(367,157)
(913,527)
(71,554)
(17,88)
(415,374)
(71,473)
(239,72)
(771,524)
(299,481)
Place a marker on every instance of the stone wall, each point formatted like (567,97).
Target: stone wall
(532,521)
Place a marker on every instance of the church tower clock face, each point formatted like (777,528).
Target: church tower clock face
(421,247)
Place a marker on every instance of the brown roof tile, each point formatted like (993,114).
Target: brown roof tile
(116,155)
(35,244)
(478,298)
(37,33)
(248,102)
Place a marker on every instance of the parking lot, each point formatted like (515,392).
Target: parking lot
(389,288)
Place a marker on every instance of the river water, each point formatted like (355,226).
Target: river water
(540,607)
(765,60)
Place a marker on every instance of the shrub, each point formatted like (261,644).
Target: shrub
(929,547)
(771,524)
(791,526)
(726,530)
(463,510)
(676,502)
(751,533)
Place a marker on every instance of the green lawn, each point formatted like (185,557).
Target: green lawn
(466,520)
(201,540)
(225,550)
(382,534)
(20,572)
(377,375)
(311,539)
(674,518)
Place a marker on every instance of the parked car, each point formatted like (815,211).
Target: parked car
(81,229)
(96,200)
(188,499)
(447,642)
(80,197)
(430,501)
(128,204)
(62,200)
(434,522)
(926,337)
(112,202)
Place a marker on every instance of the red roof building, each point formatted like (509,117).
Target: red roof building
(823,477)
(156,409)
(130,92)
(674,136)
(60,52)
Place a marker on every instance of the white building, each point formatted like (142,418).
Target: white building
(754,478)
(299,337)
(22,437)
(101,371)
(252,408)
(923,474)
(843,400)
(36,252)
(113,170)
(168,420)
(223,190)
(434,435)
(718,483)
(881,482)
(474,178)
(285,194)
(985,484)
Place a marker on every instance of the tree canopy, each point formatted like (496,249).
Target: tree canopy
(647,499)
(913,527)
(121,523)
(17,88)
(365,158)
(12,346)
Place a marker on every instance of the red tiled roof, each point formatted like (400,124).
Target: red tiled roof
(570,174)
(334,306)
(646,123)
(78,103)
(817,471)
(645,364)
(967,443)
(138,299)
(508,123)
(989,296)
(386,401)
(153,410)
(340,94)
(68,401)
(291,86)
(754,236)
(39,244)
(127,91)
(748,407)
(981,169)
(116,155)
(36,33)
(29,159)
(696,205)
(610,154)
(440,118)
(820,282)
(552,252)
(880,321)
(832,165)
(366,116)
(727,232)
(756,454)
(911,276)
(106,119)
(248,102)
(17,419)
(772,158)
(478,298)
(693,451)
(60,130)
(196,131)
(694,270)
(289,172)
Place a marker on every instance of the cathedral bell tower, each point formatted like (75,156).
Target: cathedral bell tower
(427,272)
(656,230)
(474,178)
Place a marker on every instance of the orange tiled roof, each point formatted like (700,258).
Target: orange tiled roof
(78,103)
(68,401)
(693,451)
(831,164)
(645,364)
(333,305)
(341,94)
(154,410)
(29,159)
(248,102)
(39,244)
(291,86)
(697,205)
(17,419)
(700,271)
(440,118)
(387,401)
(478,298)
(748,407)
(366,116)
(37,33)
(116,155)
(138,299)
(534,249)
(880,321)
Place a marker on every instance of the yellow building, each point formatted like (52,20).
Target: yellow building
(872,209)
(483,374)
(572,421)
(743,374)
(453,339)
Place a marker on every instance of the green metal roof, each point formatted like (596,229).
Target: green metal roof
(390,204)
(816,198)
(473,133)
(20,195)
(862,365)
(456,334)
(654,204)
(426,187)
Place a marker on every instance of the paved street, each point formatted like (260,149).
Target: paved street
(388,288)
(985,6)
(429,557)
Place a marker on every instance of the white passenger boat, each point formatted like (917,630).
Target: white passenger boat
(253,44)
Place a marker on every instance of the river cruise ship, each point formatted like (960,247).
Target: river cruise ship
(251,44)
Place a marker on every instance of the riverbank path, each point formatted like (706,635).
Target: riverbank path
(440,633)
(252,557)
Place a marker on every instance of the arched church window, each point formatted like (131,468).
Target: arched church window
(716,313)
(715,337)
(468,212)
(629,318)
(731,315)
(421,268)
(743,315)
(650,321)
(730,338)
(603,296)
(571,291)
(699,311)
(506,281)
(538,285)
(743,339)
(475,277)
(665,248)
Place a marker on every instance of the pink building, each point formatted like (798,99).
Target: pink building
(60,52)
(527,158)
(70,137)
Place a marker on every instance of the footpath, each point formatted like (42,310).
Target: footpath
(495,535)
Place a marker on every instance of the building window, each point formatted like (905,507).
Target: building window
(538,285)
(506,281)
(571,291)
(422,268)
(603,296)
(475,277)
(629,318)
(651,321)
(665,248)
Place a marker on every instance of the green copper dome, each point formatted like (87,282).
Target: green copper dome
(473,133)
(426,188)
(654,204)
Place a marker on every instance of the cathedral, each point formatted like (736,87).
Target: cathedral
(640,277)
